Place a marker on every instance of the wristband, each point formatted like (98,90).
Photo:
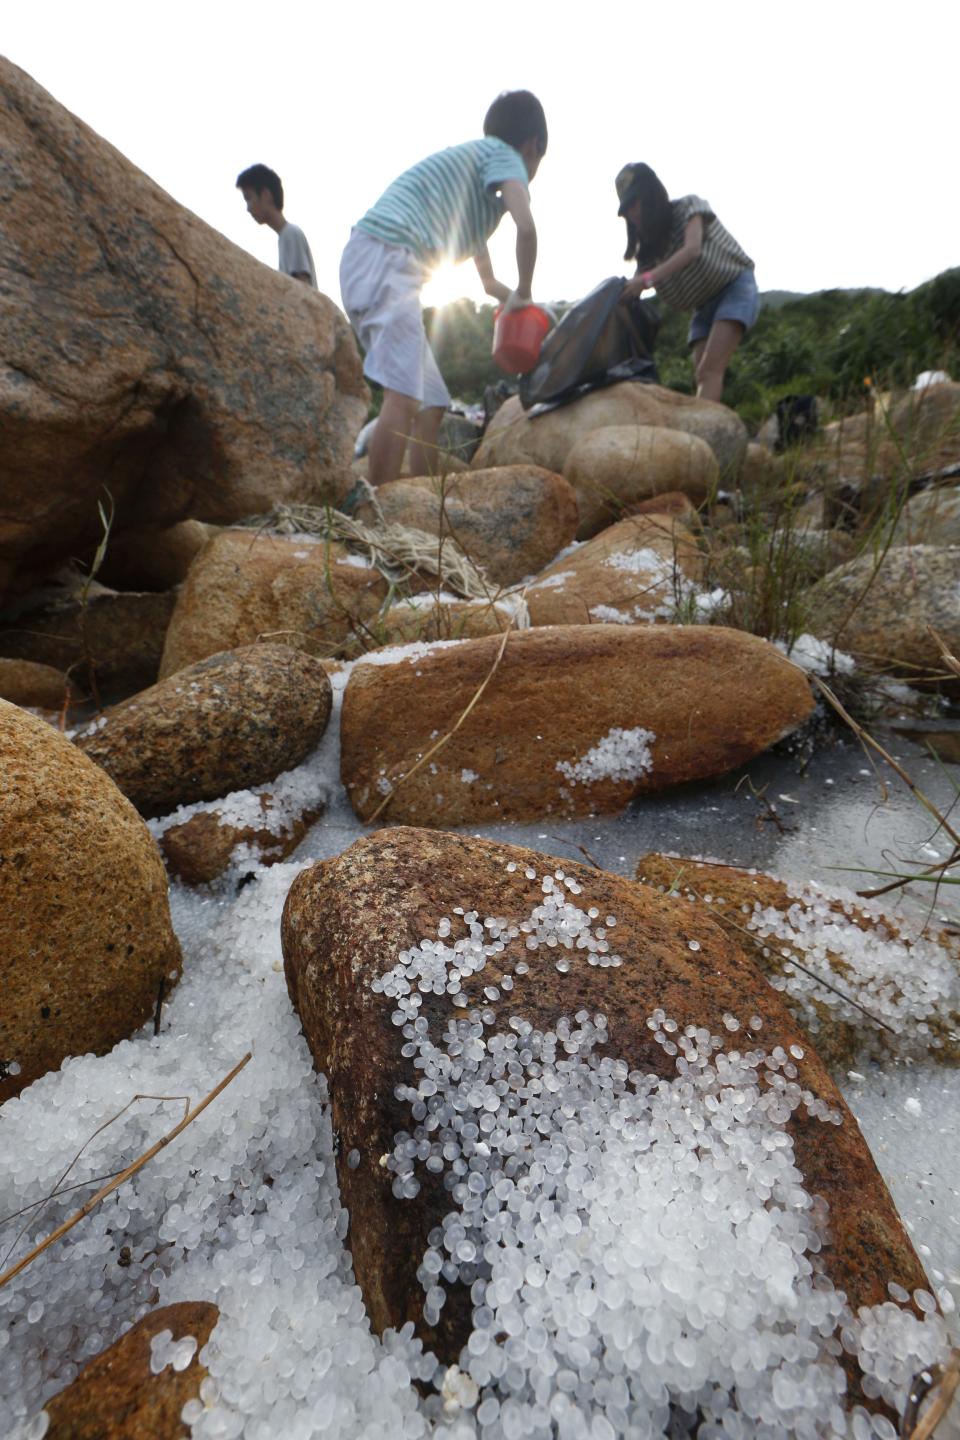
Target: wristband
(647,281)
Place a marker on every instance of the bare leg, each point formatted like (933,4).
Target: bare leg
(724,337)
(424,457)
(395,424)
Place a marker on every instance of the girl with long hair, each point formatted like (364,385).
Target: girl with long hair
(685,254)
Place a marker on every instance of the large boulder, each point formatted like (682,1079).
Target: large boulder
(536,994)
(510,521)
(231,721)
(85,936)
(247,584)
(572,720)
(513,438)
(635,571)
(884,615)
(108,642)
(117,1395)
(615,468)
(146,355)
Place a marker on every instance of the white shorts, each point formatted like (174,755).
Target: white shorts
(380,287)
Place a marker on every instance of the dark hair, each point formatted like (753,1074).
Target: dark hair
(648,244)
(517,116)
(259,178)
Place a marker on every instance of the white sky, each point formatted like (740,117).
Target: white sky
(823,134)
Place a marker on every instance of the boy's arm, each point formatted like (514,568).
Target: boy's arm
(491,285)
(517,201)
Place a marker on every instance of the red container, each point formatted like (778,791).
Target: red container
(518,336)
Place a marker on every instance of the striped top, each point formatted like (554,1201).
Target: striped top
(720,260)
(447,207)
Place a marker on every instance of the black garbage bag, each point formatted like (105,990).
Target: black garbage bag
(598,342)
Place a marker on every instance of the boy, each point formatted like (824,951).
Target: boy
(447,207)
(263,192)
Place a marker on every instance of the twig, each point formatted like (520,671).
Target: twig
(582,848)
(157,1012)
(454,728)
(945,1380)
(119,1179)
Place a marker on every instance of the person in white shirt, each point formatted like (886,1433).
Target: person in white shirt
(262,189)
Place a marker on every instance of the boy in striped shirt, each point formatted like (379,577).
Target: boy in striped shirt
(444,208)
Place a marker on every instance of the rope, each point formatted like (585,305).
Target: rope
(392,549)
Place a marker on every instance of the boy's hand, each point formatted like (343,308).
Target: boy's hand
(516,301)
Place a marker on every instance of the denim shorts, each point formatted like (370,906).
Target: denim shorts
(740,300)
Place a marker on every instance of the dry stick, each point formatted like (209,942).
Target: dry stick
(453,730)
(868,740)
(946,1379)
(56,1191)
(126,1174)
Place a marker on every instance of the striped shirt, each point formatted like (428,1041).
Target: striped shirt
(720,260)
(447,207)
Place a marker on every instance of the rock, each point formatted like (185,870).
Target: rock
(203,847)
(246,584)
(117,1397)
(151,559)
(41,687)
(346,921)
(231,721)
(512,438)
(146,355)
(883,617)
(424,617)
(762,474)
(672,502)
(510,521)
(942,737)
(632,572)
(120,636)
(769,917)
(85,933)
(644,707)
(931,517)
(614,468)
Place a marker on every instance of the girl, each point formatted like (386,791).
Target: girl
(683,252)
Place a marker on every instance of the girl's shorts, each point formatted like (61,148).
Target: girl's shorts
(380,287)
(740,301)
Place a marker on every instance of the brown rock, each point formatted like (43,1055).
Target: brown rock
(41,687)
(153,559)
(145,354)
(85,934)
(203,847)
(294,589)
(231,721)
(512,438)
(616,467)
(630,573)
(762,474)
(734,893)
(346,921)
(116,1396)
(884,617)
(510,521)
(672,502)
(713,698)
(423,617)
(118,637)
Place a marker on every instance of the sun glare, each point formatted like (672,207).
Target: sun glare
(446,284)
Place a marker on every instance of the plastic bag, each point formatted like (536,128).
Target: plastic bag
(598,342)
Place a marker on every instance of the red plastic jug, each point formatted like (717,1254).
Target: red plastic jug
(518,336)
